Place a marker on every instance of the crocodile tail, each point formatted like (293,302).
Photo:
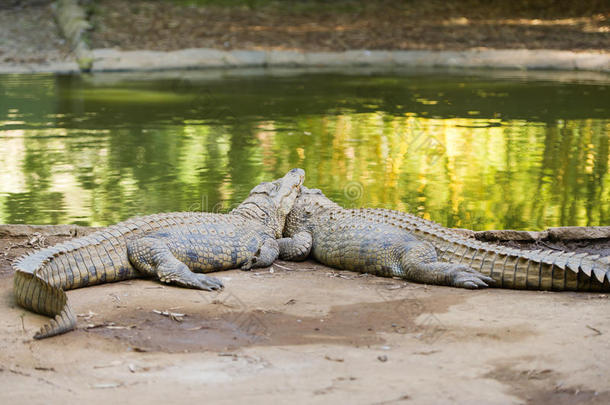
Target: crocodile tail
(509,267)
(528,269)
(101,257)
(32,292)
(39,283)
(42,276)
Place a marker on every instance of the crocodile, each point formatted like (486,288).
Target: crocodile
(174,248)
(393,243)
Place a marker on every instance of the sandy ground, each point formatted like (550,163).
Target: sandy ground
(307,334)
(28,33)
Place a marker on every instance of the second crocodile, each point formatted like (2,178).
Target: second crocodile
(392,243)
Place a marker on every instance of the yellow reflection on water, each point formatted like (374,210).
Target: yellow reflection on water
(97,155)
(12,146)
(467,172)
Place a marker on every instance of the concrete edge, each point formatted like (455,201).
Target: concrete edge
(66,67)
(105,60)
(551,234)
(113,60)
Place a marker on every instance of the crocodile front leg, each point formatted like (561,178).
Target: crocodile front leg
(420,264)
(296,248)
(265,256)
(152,256)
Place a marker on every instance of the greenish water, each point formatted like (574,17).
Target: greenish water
(469,150)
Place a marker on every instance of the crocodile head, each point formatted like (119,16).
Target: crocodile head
(270,202)
(310,203)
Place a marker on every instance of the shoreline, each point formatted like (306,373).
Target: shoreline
(112,60)
(75,23)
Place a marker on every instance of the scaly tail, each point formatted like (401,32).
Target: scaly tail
(41,277)
(38,295)
(509,267)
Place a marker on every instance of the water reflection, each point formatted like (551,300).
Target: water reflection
(468,151)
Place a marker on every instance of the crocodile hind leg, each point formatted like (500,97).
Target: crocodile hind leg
(152,256)
(418,262)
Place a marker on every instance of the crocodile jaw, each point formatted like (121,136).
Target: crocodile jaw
(287,191)
(270,202)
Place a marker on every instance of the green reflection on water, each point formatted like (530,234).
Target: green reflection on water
(470,150)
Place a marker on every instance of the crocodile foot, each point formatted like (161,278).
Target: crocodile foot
(465,277)
(248,264)
(183,277)
(208,283)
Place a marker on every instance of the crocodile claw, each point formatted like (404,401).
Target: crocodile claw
(197,281)
(466,277)
(470,285)
(248,264)
(208,283)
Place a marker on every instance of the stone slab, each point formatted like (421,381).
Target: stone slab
(17,230)
(201,58)
(579,232)
(506,235)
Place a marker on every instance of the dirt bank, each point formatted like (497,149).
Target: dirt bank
(29,35)
(307,334)
(352,24)
(569,35)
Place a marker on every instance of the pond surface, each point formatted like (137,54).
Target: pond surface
(476,150)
